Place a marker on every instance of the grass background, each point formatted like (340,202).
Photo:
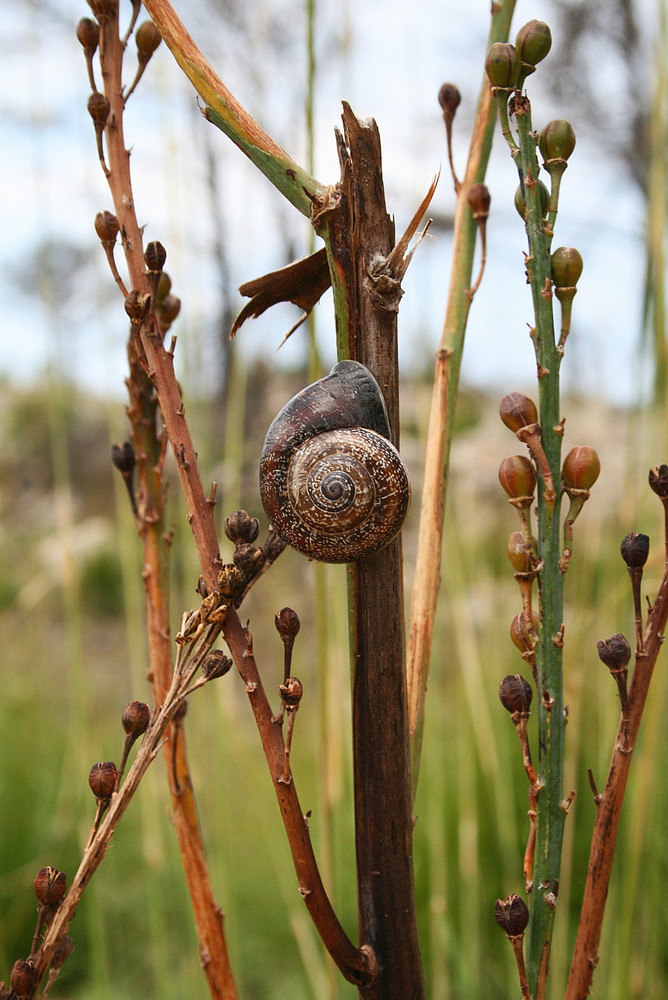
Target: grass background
(74,654)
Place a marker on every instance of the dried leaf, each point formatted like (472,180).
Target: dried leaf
(302,282)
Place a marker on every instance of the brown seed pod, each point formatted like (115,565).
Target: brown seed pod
(102,779)
(331,482)
(49,885)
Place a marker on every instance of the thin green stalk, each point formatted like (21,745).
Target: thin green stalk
(224,111)
(441,421)
(551,723)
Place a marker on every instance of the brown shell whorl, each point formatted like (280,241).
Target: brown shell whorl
(332,484)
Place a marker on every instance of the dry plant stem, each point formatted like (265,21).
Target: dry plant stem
(517,944)
(441,418)
(97,845)
(609,805)
(206,912)
(356,964)
(366,269)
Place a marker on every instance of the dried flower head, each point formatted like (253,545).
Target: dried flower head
(215,664)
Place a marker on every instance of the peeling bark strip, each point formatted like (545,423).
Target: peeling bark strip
(359,234)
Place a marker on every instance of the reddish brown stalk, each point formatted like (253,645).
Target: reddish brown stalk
(356,964)
(207,913)
(609,805)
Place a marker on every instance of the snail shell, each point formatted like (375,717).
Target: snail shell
(332,483)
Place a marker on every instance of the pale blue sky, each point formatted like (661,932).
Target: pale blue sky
(396,58)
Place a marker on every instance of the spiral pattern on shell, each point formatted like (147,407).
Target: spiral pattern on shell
(332,483)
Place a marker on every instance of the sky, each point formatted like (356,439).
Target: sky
(388,60)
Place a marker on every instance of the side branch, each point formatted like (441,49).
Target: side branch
(222,108)
(609,807)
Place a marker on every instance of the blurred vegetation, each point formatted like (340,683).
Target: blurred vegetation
(66,683)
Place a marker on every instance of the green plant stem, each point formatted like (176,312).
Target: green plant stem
(551,723)
(442,414)
(224,111)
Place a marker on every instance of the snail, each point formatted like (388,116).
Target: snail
(331,482)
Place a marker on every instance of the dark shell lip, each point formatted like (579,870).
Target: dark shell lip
(349,397)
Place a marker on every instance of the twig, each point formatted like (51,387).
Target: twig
(441,417)
(609,805)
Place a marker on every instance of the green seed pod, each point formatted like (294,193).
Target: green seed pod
(581,468)
(517,476)
(566,267)
(502,65)
(543,194)
(533,42)
(557,140)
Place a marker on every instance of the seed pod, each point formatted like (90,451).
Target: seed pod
(512,915)
(102,779)
(515,694)
(88,33)
(136,718)
(635,549)
(658,481)
(155,256)
(517,476)
(543,195)
(566,267)
(449,98)
(147,38)
(291,692)
(23,977)
(167,310)
(287,623)
(522,636)
(215,664)
(557,140)
(136,305)
(479,200)
(49,886)
(123,457)
(106,227)
(502,65)
(99,108)
(581,468)
(241,527)
(519,557)
(517,411)
(614,652)
(230,581)
(248,558)
(533,42)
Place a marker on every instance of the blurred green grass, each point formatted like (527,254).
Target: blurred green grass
(74,654)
